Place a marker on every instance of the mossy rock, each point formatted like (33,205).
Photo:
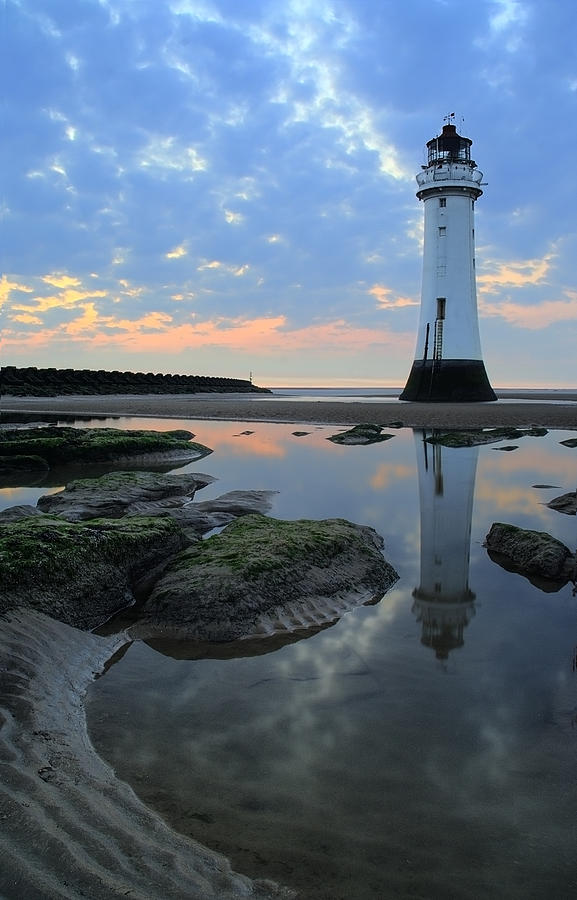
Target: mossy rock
(530,553)
(475,436)
(80,573)
(121,493)
(365,433)
(220,589)
(59,445)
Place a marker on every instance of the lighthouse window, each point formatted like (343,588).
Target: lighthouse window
(442,231)
(442,201)
(441,302)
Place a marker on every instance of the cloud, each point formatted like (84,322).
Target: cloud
(517,273)
(386,300)
(507,14)
(158,331)
(165,154)
(61,281)
(233,218)
(67,297)
(536,316)
(224,268)
(8,287)
(177,252)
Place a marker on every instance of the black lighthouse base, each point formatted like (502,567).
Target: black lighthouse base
(448,381)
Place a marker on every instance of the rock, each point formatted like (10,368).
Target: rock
(566,503)
(570,442)
(208,514)
(58,445)
(543,486)
(360,434)
(82,573)
(19,512)
(261,576)
(122,493)
(508,448)
(531,552)
(473,437)
(300,433)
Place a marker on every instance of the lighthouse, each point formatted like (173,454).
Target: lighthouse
(444,603)
(448,364)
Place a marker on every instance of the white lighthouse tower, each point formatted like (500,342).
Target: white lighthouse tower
(448,365)
(444,603)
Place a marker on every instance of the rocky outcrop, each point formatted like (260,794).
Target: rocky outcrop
(151,494)
(473,437)
(123,493)
(365,433)
(262,575)
(566,503)
(570,442)
(81,573)
(63,445)
(530,553)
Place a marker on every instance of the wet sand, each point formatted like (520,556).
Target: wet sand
(549,409)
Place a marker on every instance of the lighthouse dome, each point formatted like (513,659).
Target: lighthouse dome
(449,146)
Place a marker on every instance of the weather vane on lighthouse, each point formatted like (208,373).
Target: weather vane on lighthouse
(448,364)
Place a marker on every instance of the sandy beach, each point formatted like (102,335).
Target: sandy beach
(550,409)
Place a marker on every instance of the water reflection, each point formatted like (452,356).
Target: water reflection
(444,603)
(351,765)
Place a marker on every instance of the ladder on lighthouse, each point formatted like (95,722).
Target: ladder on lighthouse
(438,341)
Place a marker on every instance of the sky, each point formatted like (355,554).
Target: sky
(221,187)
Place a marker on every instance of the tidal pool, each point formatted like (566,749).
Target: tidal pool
(423,747)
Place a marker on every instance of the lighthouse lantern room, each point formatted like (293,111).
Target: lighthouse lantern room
(448,364)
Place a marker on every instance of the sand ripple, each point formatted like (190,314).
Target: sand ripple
(69,827)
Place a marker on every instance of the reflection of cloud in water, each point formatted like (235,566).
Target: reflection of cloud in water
(510,499)
(549,462)
(386,473)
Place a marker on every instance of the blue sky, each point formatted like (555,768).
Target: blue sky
(226,186)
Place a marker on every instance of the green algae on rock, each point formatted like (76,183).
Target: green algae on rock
(59,445)
(365,433)
(263,575)
(80,574)
(474,436)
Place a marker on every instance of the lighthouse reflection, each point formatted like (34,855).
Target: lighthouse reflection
(444,603)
